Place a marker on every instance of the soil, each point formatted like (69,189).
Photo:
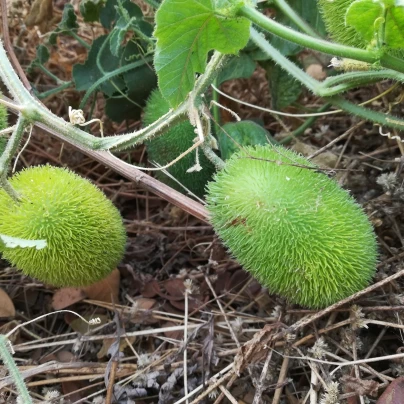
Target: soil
(135,351)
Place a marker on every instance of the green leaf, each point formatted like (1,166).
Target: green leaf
(241,66)
(115,9)
(244,133)
(14,242)
(394,35)
(67,24)
(372,18)
(185,33)
(139,83)
(69,19)
(85,75)
(362,15)
(90,9)
(42,56)
(284,88)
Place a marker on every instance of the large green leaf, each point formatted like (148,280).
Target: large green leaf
(66,25)
(285,89)
(186,31)
(85,75)
(139,82)
(245,133)
(90,9)
(241,66)
(373,17)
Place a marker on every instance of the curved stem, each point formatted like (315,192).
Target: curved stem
(369,115)
(321,45)
(12,145)
(363,77)
(299,38)
(55,90)
(8,360)
(288,11)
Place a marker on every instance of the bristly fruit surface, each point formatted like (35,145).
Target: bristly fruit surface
(292,227)
(83,229)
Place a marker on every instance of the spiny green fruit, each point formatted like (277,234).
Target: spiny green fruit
(292,227)
(169,146)
(84,231)
(333,13)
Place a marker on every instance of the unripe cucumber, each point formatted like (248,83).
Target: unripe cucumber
(176,140)
(292,227)
(84,231)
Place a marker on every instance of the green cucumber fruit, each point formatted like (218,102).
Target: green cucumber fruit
(292,227)
(84,231)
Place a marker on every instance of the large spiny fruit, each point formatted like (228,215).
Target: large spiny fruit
(292,227)
(84,231)
(176,140)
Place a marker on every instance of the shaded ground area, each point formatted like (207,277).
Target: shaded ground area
(136,351)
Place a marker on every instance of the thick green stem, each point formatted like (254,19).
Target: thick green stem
(369,115)
(217,62)
(55,90)
(213,157)
(330,48)
(50,74)
(79,40)
(215,108)
(285,63)
(363,77)
(12,146)
(319,89)
(9,363)
(341,83)
(288,11)
(9,189)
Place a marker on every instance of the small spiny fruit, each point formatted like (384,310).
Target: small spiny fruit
(84,231)
(291,226)
(176,140)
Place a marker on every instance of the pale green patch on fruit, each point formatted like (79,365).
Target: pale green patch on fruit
(186,30)
(292,227)
(169,146)
(84,231)
(14,242)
